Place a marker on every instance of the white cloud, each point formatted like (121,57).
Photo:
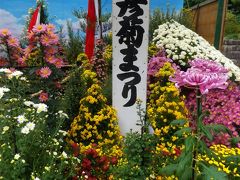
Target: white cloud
(10,22)
(63,23)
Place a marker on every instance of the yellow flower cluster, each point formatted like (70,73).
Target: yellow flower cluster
(222,152)
(82,59)
(166,178)
(33,58)
(164,106)
(96,123)
(152,50)
(107,55)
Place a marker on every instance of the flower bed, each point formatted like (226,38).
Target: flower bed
(57,124)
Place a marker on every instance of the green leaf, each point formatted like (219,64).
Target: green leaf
(217,128)
(235,140)
(233,158)
(180,122)
(204,149)
(207,132)
(168,170)
(212,173)
(203,115)
(189,143)
(183,131)
(184,164)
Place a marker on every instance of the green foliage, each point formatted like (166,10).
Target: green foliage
(232,26)
(138,151)
(28,152)
(191,3)
(74,91)
(138,157)
(188,165)
(159,17)
(74,44)
(234,5)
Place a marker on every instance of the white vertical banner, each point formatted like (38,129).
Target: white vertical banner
(130,21)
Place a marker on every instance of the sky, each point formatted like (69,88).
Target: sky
(13,12)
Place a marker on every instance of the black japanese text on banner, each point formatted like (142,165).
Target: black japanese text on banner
(130,21)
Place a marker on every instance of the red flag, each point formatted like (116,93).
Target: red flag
(90,31)
(35,18)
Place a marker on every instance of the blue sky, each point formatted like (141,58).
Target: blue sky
(13,12)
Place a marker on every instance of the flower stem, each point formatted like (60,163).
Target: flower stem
(197,135)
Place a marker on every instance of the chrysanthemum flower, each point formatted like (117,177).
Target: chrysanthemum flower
(59,63)
(13,42)
(43,97)
(39,28)
(51,59)
(4,33)
(45,40)
(45,72)
(204,75)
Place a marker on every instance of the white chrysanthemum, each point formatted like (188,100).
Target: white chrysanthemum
(28,103)
(5,129)
(16,74)
(64,155)
(2,91)
(17,156)
(30,126)
(64,133)
(188,45)
(41,107)
(62,114)
(25,130)
(5,70)
(21,119)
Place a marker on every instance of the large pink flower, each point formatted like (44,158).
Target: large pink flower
(207,66)
(45,72)
(203,76)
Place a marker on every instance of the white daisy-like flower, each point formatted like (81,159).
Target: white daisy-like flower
(17,156)
(5,129)
(64,155)
(62,114)
(30,126)
(28,103)
(41,107)
(3,90)
(25,130)
(16,74)
(21,119)
(5,70)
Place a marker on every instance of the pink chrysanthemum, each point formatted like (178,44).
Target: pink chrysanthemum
(45,72)
(13,42)
(50,51)
(43,97)
(39,28)
(50,27)
(4,33)
(51,59)
(204,75)
(59,63)
(45,40)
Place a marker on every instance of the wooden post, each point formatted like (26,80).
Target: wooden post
(219,30)
(100,18)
